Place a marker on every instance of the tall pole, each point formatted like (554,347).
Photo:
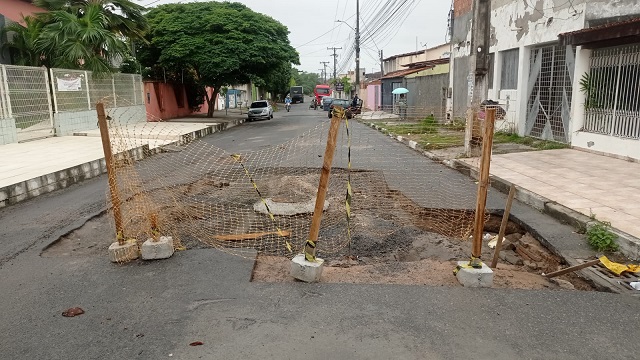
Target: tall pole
(335,61)
(325,63)
(478,66)
(322,75)
(357,47)
(381,64)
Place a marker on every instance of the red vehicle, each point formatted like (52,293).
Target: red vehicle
(320,91)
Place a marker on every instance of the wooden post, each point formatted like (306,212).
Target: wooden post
(113,186)
(310,247)
(483,183)
(503,226)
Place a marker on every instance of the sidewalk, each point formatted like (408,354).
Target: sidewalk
(34,168)
(569,185)
(606,187)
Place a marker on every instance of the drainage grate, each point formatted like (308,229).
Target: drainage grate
(604,277)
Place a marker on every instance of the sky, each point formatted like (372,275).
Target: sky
(409,25)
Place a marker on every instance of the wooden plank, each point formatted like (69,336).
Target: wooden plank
(503,226)
(572,268)
(250,236)
(483,183)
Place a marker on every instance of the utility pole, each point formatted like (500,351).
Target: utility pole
(335,62)
(358,47)
(478,67)
(381,64)
(322,75)
(325,63)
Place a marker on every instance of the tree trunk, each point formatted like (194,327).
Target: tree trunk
(212,102)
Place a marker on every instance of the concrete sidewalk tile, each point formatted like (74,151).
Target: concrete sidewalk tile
(581,203)
(630,227)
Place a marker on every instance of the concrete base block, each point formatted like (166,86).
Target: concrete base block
(123,253)
(470,277)
(161,249)
(306,271)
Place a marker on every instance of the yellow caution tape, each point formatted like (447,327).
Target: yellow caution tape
(309,251)
(238,159)
(617,268)
(474,263)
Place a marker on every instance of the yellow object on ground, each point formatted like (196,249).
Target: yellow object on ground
(619,268)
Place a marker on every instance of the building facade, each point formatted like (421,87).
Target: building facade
(562,70)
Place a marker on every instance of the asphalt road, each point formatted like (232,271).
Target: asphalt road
(154,310)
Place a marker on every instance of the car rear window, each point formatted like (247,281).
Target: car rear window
(259,104)
(340,102)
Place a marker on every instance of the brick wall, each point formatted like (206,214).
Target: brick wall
(461,7)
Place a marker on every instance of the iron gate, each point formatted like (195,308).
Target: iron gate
(549,92)
(28,101)
(612,105)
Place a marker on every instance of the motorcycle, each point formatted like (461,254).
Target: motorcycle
(314,104)
(287,106)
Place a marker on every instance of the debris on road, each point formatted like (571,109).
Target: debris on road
(618,268)
(73,312)
(196,343)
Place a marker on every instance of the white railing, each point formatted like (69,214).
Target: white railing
(612,105)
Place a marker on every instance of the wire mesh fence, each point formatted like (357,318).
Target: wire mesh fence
(27,100)
(202,193)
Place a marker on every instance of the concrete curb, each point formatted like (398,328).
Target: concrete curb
(29,189)
(629,245)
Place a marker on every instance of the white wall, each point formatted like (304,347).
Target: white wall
(605,144)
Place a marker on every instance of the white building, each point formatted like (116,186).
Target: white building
(563,70)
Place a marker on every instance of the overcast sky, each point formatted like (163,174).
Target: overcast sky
(313,27)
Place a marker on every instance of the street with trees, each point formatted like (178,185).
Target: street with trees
(218,44)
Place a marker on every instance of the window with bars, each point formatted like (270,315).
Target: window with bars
(509,71)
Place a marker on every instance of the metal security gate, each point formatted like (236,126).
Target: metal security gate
(549,92)
(612,105)
(27,101)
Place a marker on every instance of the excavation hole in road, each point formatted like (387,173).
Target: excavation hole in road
(394,239)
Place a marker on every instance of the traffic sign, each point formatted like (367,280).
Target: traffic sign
(339,86)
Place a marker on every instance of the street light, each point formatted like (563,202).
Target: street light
(357,30)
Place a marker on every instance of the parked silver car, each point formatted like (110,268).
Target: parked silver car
(260,109)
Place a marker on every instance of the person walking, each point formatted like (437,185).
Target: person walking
(402,107)
(356,101)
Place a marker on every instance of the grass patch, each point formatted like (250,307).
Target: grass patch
(432,135)
(441,140)
(502,138)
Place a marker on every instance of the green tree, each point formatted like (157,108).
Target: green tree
(22,47)
(278,81)
(81,39)
(222,43)
(308,81)
(121,16)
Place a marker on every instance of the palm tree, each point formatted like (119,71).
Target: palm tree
(22,42)
(81,39)
(123,16)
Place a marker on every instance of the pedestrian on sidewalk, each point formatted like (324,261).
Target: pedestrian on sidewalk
(355,101)
(402,107)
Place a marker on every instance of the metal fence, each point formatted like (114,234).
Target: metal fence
(76,90)
(27,101)
(612,104)
(34,99)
